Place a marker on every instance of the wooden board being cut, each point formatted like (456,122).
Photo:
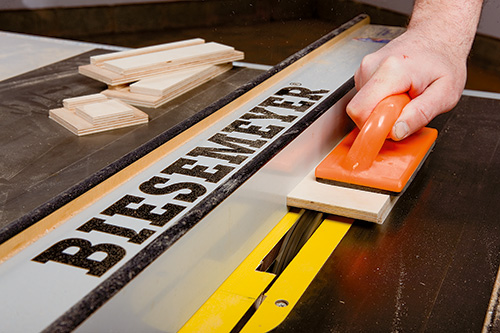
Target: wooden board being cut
(126,94)
(343,201)
(113,79)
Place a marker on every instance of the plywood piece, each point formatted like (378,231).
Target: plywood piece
(174,57)
(125,94)
(114,79)
(343,201)
(105,111)
(73,102)
(100,74)
(79,126)
(143,50)
(165,84)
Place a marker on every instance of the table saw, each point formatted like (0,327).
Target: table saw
(176,225)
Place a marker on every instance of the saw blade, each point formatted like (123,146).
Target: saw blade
(296,237)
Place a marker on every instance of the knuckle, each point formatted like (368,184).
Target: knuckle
(351,110)
(392,63)
(368,65)
(357,80)
(354,111)
(367,62)
(423,114)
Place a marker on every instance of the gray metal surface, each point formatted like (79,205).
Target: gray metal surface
(20,53)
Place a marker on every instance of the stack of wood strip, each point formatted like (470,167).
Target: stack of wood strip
(156,91)
(160,72)
(148,76)
(96,113)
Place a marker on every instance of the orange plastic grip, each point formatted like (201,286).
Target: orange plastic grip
(372,136)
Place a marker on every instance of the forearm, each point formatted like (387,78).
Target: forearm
(448,23)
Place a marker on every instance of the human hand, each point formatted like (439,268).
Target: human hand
(432,73)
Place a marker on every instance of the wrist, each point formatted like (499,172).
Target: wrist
(450,25)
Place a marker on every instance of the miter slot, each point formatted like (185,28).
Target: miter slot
(248,315)
(282,254)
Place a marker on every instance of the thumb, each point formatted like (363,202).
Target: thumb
(412,118)
(421,110)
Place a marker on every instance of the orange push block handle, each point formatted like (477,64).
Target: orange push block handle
(372,136)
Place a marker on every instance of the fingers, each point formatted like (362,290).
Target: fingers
(388,79)
(423,108)
(433,79)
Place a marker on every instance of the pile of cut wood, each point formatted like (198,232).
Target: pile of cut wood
(96,113)
(148,77)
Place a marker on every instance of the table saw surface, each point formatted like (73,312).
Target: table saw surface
(431,266)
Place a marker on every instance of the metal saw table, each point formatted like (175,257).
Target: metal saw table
(431,266)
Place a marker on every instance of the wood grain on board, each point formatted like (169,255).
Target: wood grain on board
(105,111)
(343,201)
(98,117)
(143,50)
(174,57)
(98,72)
(73,102)
(186,79)
(160,90)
